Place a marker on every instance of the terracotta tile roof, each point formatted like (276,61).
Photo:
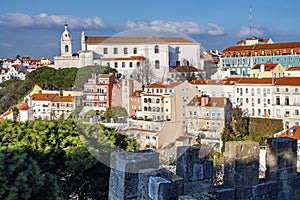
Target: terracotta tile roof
(23,106)
(293,132)
(43,97)
(137,93)
(63,99)
(283,45)
(161,85)
(6,114)
(156,85)
(297,68)
(134,39)
(152,95)
(213,101)
(268,66)
(184,69)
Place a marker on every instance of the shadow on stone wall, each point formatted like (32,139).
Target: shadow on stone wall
(138,176)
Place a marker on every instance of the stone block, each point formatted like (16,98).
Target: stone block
(159,188)
(225,193)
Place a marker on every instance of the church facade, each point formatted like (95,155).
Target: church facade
(130,54)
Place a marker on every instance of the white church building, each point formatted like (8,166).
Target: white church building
(129,53)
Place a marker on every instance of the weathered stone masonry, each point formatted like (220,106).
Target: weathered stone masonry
(138,176)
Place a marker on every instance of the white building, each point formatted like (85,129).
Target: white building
(129,53)
(42,104)
(162,117)
(206,118)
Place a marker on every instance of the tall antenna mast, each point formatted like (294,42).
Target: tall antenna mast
(250,19)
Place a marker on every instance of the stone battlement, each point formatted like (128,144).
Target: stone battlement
(194,174)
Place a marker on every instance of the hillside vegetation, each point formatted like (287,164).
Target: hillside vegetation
(48,160)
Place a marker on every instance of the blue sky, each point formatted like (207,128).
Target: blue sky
(33,27)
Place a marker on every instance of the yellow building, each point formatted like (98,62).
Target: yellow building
(267,71)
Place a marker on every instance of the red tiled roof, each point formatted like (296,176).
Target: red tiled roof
(43,97)
(137,93)
(282,45)
(213,101)
(161,85)
(23,106)
(63,99)
(297,68)
(184,69)
(268,66)
(293,132)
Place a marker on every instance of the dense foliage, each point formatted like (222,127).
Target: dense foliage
(66,78)
(48,160)
(12,93)
(116,112)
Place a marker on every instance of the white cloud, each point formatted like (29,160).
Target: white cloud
(45,20)
(256,31)
(187,27)
(6,45)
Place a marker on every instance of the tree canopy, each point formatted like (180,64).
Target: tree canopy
(48,160)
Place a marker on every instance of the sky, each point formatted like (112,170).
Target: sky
(33,27)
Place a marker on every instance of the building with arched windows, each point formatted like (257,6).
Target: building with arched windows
(129,54)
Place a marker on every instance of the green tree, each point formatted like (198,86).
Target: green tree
(116,112)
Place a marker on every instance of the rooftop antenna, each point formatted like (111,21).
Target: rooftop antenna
(250,19)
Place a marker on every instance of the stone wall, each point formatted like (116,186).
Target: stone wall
(194,174)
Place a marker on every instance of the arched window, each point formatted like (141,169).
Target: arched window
(157,64)
(156,50)
(66,48)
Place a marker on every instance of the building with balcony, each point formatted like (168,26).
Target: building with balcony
(161,119)
(42,104)
(241,58)
(206,118)
(98,91)
(62,107)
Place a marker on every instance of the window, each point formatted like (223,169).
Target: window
(287,101)
(134,50)
(125,51)
(269,101)
(108,64)
(130,64)
(177,50)
(246,90)
(258,101)
(123,64)
(157,100)
(157,64)
(156,50)
(277,100)
(115,50)
(296,112)
(104,50)
(116,65)
(247,101)
(66,48)
(145,100)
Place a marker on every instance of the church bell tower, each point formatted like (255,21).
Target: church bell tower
(66,43)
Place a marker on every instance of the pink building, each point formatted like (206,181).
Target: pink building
(98,91)
(135,103)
